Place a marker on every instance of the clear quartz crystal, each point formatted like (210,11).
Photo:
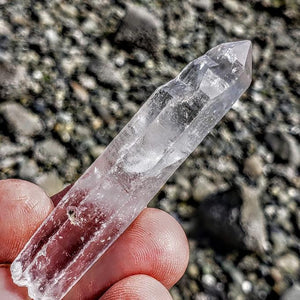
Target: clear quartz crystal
(119,184)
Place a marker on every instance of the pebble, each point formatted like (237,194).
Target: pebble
(120,61)
(253,166)
(70,170)
(289,263)
(52,37)
(185,187)
(50,152)
(13,79)
(236,218)
(28,169)
(140,29)
(97,150)
(185,210)
(167,205)
(21,120)
(171,191)
(193,270)
(87,81)
(279,242)
(9,149)
(203,4)
(209,280)
(45,18)
(90,26)
(106,73)
(284,146)
(50,182)
(246,286)
(7,163)
(80,92)
(253,221)
(293,293)
(202,188)
(283,216)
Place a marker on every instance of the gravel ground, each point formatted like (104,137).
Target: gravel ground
(72,73)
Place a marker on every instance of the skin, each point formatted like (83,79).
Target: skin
(146,261)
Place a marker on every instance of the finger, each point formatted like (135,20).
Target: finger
(8,290)
(154,244)
(137,287)
(23,207)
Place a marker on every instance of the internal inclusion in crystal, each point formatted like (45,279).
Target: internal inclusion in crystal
(119,184)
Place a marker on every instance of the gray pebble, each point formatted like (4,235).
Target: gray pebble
(279,242)
(13,79)
(106,73)
(50,182)
(293,293)
(139,28)
(50,152)
(284,146)
(253,221)
(202,188)
(28,169)
(21,120)
(253,166)
(289,264)
(9,149)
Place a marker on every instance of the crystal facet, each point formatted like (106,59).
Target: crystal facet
(119,184)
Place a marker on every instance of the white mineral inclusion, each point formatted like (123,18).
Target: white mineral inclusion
(135,165)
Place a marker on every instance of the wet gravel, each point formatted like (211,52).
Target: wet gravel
(73,73)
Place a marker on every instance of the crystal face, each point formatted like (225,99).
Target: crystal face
(119,184)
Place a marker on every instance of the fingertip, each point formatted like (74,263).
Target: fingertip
(154,244)
(23,207)
(170,250)
(137,287)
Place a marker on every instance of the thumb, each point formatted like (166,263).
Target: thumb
(23,207)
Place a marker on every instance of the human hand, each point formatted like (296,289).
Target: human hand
(147,260)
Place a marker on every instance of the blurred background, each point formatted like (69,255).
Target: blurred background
(72,73)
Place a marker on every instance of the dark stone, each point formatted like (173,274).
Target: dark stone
(139,29)
(234,218)
(284,147)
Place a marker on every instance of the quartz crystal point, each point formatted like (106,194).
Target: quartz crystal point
(119,184)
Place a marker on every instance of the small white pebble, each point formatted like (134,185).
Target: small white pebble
(270,210)
(209,280)
(37,75)
(246,287)
(120,61)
